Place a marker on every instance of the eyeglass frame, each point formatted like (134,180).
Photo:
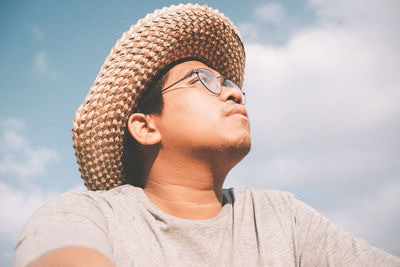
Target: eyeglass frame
(224,83)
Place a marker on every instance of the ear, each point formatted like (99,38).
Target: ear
(142,127)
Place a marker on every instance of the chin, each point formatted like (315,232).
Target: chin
(240,147)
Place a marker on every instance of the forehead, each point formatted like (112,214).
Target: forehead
(182,69)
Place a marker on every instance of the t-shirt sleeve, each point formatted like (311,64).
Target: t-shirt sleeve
(322,243)
(72,219)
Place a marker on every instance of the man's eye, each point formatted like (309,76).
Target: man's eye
(205,80)
(194,80)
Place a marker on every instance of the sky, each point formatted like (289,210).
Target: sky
(322,85)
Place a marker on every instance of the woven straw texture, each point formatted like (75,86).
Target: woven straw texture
(153,43)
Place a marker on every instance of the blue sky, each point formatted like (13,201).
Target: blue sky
(322,86)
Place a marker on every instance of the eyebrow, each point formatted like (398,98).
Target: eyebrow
(187,75)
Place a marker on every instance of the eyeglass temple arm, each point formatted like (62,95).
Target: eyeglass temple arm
(178,81)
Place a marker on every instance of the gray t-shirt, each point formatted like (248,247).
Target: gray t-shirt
(254,228)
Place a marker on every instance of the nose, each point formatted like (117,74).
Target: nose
(232,94)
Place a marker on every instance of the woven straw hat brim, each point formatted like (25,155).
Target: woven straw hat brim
(154,42)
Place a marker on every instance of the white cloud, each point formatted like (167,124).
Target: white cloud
(36,33)
(248,31)
(40,62)
(35,162)
(41,66)
(361,12)
(18,158)
(13,140)
(10,139)
(379,214)
(324,88)
(16,206)
(324,109)
(20,162)
(271,13)
(13,123)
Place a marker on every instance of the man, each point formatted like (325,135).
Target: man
(156,136)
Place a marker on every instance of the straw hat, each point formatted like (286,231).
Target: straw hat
(150,45)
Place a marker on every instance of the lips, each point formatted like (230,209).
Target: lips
(238,110)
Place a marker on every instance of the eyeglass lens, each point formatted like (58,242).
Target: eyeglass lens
(211,82)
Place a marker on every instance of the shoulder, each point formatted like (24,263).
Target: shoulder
(74,219)
(82,199)
(264,203)
(280,200)
(86,209)
(266,196)
(282,204)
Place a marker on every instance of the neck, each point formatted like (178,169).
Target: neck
(185,202)
(185,188)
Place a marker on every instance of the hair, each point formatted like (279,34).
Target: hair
(149,102)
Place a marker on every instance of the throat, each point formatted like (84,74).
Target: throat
(185,202)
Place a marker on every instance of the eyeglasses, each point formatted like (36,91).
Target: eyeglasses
(211,82)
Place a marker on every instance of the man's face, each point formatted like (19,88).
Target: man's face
(195,120)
